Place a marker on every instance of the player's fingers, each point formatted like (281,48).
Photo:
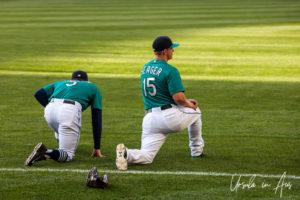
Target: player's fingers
(94,154)
(195,107)
(100,155)
(195,102)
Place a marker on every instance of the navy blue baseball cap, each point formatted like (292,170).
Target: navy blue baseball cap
(80,75)
(163,42)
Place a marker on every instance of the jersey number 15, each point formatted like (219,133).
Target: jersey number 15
(147,84)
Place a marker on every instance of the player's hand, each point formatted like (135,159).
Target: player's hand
(97,153)
(194,102)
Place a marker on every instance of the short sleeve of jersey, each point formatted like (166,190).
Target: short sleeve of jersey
(49,89)
(174,82)
(97,100)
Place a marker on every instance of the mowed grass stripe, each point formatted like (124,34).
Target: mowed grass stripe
(152,172)
(134,8)
(108,18)
(181,12)
(184,77)
(144,6)
(184,63)
(146,24)
(182,59)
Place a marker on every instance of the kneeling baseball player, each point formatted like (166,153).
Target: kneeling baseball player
(64,101)
(162,93)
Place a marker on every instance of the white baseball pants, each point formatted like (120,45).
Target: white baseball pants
(159,123)
(65,120)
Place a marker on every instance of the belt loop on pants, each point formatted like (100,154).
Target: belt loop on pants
(165,107)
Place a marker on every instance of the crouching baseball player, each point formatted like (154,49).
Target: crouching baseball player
(64,101)
(162,93)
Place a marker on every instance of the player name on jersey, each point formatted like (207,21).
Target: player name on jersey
(151,70)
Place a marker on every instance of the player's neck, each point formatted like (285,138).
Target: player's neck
(164,58)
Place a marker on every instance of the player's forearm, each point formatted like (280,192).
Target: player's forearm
(185,103)
(97,127)
(180,99)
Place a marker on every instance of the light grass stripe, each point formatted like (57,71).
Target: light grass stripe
(212,60)
(130,24)
(151,8)
(150,172)
(98,17)
(174,11)
(146,7)
(137,76)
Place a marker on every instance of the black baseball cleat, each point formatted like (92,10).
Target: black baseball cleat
(92,179)
(36,155)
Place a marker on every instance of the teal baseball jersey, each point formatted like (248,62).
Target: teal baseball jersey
(159,82)
(84,92)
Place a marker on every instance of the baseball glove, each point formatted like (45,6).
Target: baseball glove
(95,181)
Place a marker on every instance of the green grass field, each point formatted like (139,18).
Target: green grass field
(239,59)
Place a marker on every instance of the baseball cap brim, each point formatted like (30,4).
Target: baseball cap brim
(174,45)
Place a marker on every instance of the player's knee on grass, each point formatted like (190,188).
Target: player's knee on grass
(139,156)
(149,157)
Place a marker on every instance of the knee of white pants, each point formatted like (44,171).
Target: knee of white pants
(148,160)
(139,156)
(149,157)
